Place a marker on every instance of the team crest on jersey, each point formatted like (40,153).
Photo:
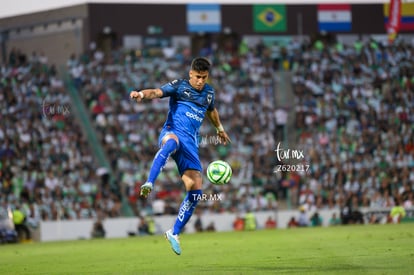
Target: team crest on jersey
(209,98)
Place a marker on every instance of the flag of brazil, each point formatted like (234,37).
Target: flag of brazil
(269,18)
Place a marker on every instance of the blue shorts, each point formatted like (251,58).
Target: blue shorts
(186,156)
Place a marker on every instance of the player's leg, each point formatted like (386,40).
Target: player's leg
(192,181)
(189,166)
(169,144)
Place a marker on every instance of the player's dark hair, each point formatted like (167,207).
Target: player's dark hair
(200,64)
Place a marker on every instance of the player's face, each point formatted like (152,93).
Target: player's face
(198,79)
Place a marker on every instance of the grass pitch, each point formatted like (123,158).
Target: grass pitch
(367,249)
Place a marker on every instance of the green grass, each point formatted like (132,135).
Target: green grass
(368,249)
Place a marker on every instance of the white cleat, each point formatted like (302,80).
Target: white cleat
(174,241)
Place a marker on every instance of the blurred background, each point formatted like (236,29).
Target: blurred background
(328,84)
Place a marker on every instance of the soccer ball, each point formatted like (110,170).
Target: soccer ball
(219,172)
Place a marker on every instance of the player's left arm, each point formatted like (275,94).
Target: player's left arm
(214,118)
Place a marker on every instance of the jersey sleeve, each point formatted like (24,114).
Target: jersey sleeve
(211,98)
(170,88)
(211,106)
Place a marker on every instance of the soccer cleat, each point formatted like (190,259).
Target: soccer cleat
(174,241)
(146,188)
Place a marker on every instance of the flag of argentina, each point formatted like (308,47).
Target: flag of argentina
(203,18)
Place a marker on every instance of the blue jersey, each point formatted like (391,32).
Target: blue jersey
(188,107)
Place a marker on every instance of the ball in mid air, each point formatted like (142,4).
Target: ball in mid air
(219,172)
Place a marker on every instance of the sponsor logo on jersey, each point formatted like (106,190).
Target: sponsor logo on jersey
(195,110)
(187,93)
(194,116)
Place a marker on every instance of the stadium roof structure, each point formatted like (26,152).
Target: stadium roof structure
(20,7)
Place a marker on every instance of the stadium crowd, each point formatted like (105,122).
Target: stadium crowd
(46,166)
(353,113)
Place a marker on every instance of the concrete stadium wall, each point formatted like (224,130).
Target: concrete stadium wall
(56,40)
(119,227)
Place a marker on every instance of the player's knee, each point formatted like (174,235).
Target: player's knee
(169,137)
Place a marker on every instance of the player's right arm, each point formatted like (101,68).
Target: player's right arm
(168,89)
(146,94)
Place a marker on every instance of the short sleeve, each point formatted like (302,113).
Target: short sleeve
(170,88)
(212,103)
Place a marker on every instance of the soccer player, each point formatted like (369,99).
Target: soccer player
(190,100)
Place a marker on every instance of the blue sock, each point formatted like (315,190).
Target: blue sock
(161,159)
(186,210)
